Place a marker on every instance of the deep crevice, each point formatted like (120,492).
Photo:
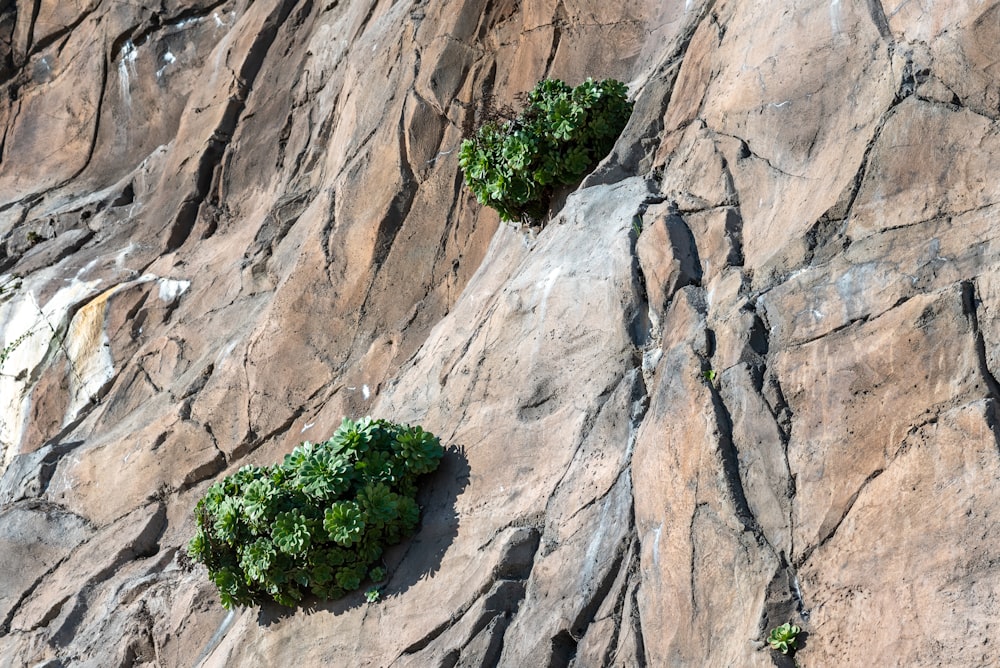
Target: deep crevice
(729,456)
(399,208)
(57,35)
(783,598)
(157,24)
(438,630)
(209,162)
(859,176)
(970,306)
(879,19)
(631,566)
(21,59)
(557,21)
(5,625)
(636,620)
(364,21)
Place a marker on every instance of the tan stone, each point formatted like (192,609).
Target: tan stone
(854,404)
(685,513)
(776,404)
(913,555)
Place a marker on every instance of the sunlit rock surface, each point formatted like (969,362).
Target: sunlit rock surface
(743,376)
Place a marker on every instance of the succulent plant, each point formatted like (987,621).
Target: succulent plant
(317,522)
(782,638)
(513,164)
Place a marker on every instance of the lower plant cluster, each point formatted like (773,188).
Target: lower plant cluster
(318,522)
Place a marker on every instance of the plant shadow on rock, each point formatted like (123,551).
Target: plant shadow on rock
(414,558)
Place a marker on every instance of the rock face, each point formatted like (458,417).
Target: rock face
(743,376)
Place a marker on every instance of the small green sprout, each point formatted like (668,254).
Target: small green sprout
(782,638)
(373,593)
(709,375)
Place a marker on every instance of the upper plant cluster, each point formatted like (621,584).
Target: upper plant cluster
(317,522)
(513,165)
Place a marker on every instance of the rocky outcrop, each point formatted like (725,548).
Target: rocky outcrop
(743,376)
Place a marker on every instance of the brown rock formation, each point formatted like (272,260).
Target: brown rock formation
(226,224)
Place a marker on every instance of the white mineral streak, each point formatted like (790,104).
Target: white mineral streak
(126,71)
(23,316)
(835,17)
(168,60)
(29,331)
(171,289)
(88,347)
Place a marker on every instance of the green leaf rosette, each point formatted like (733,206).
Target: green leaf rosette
(513,165)
(318,522)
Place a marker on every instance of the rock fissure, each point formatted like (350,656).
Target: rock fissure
(564,645)
(829,534)
(5,625)
(852,322)
(630,565)
(942,217)
(21,55)
(554,495)
(399,208)
(54,37)
(211,158)
(447,232)
(970,306)
(747,152)
(460,612)
(372,6)
(692,565)
(635,620)
(904,90)
(879,18)
(559,13)
(729,462)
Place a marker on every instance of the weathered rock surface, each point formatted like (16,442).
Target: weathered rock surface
(745,375)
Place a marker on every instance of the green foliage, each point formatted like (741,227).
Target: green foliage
(513,165)
(782,638)
(637,225)
(317,522)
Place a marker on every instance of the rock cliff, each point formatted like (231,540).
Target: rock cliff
(743,376)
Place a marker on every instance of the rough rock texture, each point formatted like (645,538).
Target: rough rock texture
(745,375)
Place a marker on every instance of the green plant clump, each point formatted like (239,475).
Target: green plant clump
(513,165)
(319,521)
(782,638)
